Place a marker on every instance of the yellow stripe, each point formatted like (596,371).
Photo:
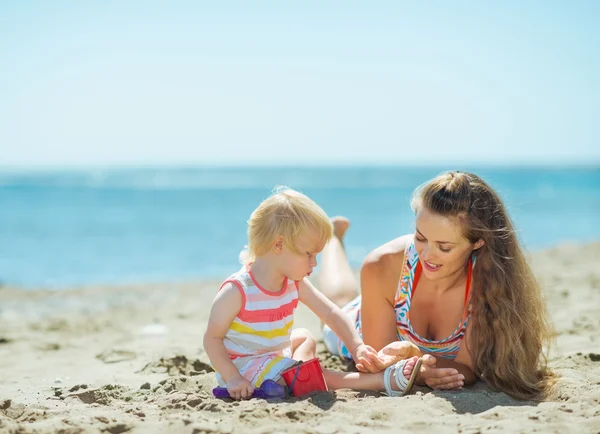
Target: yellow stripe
(269,334)
(268,368)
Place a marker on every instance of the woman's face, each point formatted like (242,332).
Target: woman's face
(443,250)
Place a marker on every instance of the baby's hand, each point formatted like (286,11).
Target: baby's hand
(366,358)
(239,388)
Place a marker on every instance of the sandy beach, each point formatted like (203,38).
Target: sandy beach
(130,359)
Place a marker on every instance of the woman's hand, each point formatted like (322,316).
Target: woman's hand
(388,355)
(429,375)
(439,378)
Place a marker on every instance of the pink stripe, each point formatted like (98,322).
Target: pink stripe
(282,291)
(252,369)
(259,297)
(239,286)
(235,355)
(268,315)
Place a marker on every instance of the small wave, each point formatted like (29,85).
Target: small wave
(213,178)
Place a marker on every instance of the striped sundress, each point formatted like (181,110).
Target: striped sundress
(258,340)
(447,348)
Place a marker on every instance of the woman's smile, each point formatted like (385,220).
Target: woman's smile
(430,267)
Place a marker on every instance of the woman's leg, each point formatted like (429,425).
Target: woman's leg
(336,278)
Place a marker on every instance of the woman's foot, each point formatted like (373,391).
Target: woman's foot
(340,226)
(336,278)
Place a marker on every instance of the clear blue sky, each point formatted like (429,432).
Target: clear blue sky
(126,82)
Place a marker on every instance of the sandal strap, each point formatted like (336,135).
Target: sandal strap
(399,379)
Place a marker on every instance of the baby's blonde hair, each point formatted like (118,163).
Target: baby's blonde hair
(289,214)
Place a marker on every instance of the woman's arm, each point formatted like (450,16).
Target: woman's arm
(379,277)
(437,372)
(440,373)
(464,360)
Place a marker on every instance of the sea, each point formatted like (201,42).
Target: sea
(66,228)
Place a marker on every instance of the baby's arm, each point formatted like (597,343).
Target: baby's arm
(339,322)
(226,306)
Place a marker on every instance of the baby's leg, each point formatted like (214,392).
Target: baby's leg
(304,345)
(363,381)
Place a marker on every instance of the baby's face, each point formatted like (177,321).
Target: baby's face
(300,264)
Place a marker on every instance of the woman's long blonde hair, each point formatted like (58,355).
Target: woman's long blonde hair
(510,326)
(288,214)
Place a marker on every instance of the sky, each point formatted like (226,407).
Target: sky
(103,83)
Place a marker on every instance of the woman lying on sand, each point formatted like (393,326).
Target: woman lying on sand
(459,288)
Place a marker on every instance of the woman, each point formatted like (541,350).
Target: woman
(459,288)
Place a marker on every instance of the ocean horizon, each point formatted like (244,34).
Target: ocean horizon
(68,227)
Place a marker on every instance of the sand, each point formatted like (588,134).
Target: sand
(130,359)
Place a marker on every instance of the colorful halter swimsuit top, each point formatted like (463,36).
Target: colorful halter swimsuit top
(448,347)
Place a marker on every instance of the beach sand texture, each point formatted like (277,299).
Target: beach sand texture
(129,359)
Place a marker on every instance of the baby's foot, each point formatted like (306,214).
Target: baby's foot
(409,367)
(340,226)
(400,383)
